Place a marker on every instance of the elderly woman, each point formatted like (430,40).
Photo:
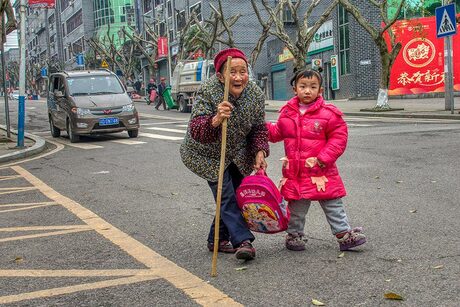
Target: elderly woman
(246,150)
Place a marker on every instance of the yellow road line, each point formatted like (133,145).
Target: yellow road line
(34,228)
(27,208)
(28,204)
(9,177)
(196,288)
(75,273)
(40,235)
(72,289)
(16,190)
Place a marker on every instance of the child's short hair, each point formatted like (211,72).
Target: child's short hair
(306,73)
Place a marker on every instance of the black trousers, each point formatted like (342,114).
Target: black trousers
(232,225)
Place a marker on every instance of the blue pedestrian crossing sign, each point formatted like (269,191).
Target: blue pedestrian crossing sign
(445,20)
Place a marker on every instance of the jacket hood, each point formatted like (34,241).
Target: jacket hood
(102,101)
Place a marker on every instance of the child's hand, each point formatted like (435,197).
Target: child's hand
(320,183)
(312,161)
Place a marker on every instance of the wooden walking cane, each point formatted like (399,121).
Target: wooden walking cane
(221,173)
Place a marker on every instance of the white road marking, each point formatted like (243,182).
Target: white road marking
(128,142)
(166,123)
(77,145)
(161,137)
(167,129)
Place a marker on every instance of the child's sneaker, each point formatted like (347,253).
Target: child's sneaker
(295,242)
(224,247)
(245,251)
(352,239)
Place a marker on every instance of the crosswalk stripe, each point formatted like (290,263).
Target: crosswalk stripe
(184,126)
(77,145)
(167,129)
(161,137)
(128,142)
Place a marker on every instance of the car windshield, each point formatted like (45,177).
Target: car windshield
(94,85)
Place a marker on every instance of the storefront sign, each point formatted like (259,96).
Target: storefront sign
(323,39)
(41,3)
(285,56)
(334,73)
(316,63)
(419,66)
(162,47)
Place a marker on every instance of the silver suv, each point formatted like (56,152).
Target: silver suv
(90,102)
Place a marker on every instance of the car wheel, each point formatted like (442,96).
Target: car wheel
(133,133)
(55,132)
(183,108)
(74,138)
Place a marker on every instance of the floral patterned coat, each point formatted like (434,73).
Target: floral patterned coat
(246,131)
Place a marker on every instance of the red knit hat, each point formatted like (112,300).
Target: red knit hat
(221,57)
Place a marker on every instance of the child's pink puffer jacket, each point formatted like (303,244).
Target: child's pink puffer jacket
(321,132)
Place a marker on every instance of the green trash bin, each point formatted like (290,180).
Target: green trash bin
(168,98)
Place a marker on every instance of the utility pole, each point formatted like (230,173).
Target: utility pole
(166,17)
(7,109)
(22,73)
(48,51)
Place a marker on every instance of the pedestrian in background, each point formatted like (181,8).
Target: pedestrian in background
(161,90)
(247,145)
(151,86)
(315,136)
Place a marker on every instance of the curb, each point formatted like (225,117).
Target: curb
(393,115)
(38,147)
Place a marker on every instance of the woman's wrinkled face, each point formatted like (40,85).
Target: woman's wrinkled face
(239,76)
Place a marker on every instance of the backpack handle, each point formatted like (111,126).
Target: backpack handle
(261,172)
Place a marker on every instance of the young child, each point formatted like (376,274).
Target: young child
(315,136)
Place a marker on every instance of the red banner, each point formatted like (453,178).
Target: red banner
(162,47)
(419,66)
(41,3)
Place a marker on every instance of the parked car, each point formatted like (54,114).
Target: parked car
(90,102)
(15,95)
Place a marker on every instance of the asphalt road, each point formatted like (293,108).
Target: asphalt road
(117,222)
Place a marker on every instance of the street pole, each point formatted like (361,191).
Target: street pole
(48,51)
(166,16)
(22,73)
(449,82)
(7,109)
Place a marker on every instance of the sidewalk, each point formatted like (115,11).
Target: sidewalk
(8,150)
(412,108)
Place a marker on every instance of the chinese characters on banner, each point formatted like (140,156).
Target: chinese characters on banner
(162,47)
(419,66)
(41,3)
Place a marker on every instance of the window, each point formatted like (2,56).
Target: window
(74,22)
(197,8)
(287,14)
(344,41)
(147,6)
(180,20)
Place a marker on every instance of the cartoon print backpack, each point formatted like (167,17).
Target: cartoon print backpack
(261,204)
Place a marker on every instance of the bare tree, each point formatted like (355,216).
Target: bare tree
(389,53)
(297,44)
(121,54)
(10,26)
(148,46)
(216,29)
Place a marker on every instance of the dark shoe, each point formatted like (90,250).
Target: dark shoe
(295,242)
(224,247)
(352,239)
(246,251)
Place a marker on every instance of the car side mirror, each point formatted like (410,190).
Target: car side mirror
(58,94)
